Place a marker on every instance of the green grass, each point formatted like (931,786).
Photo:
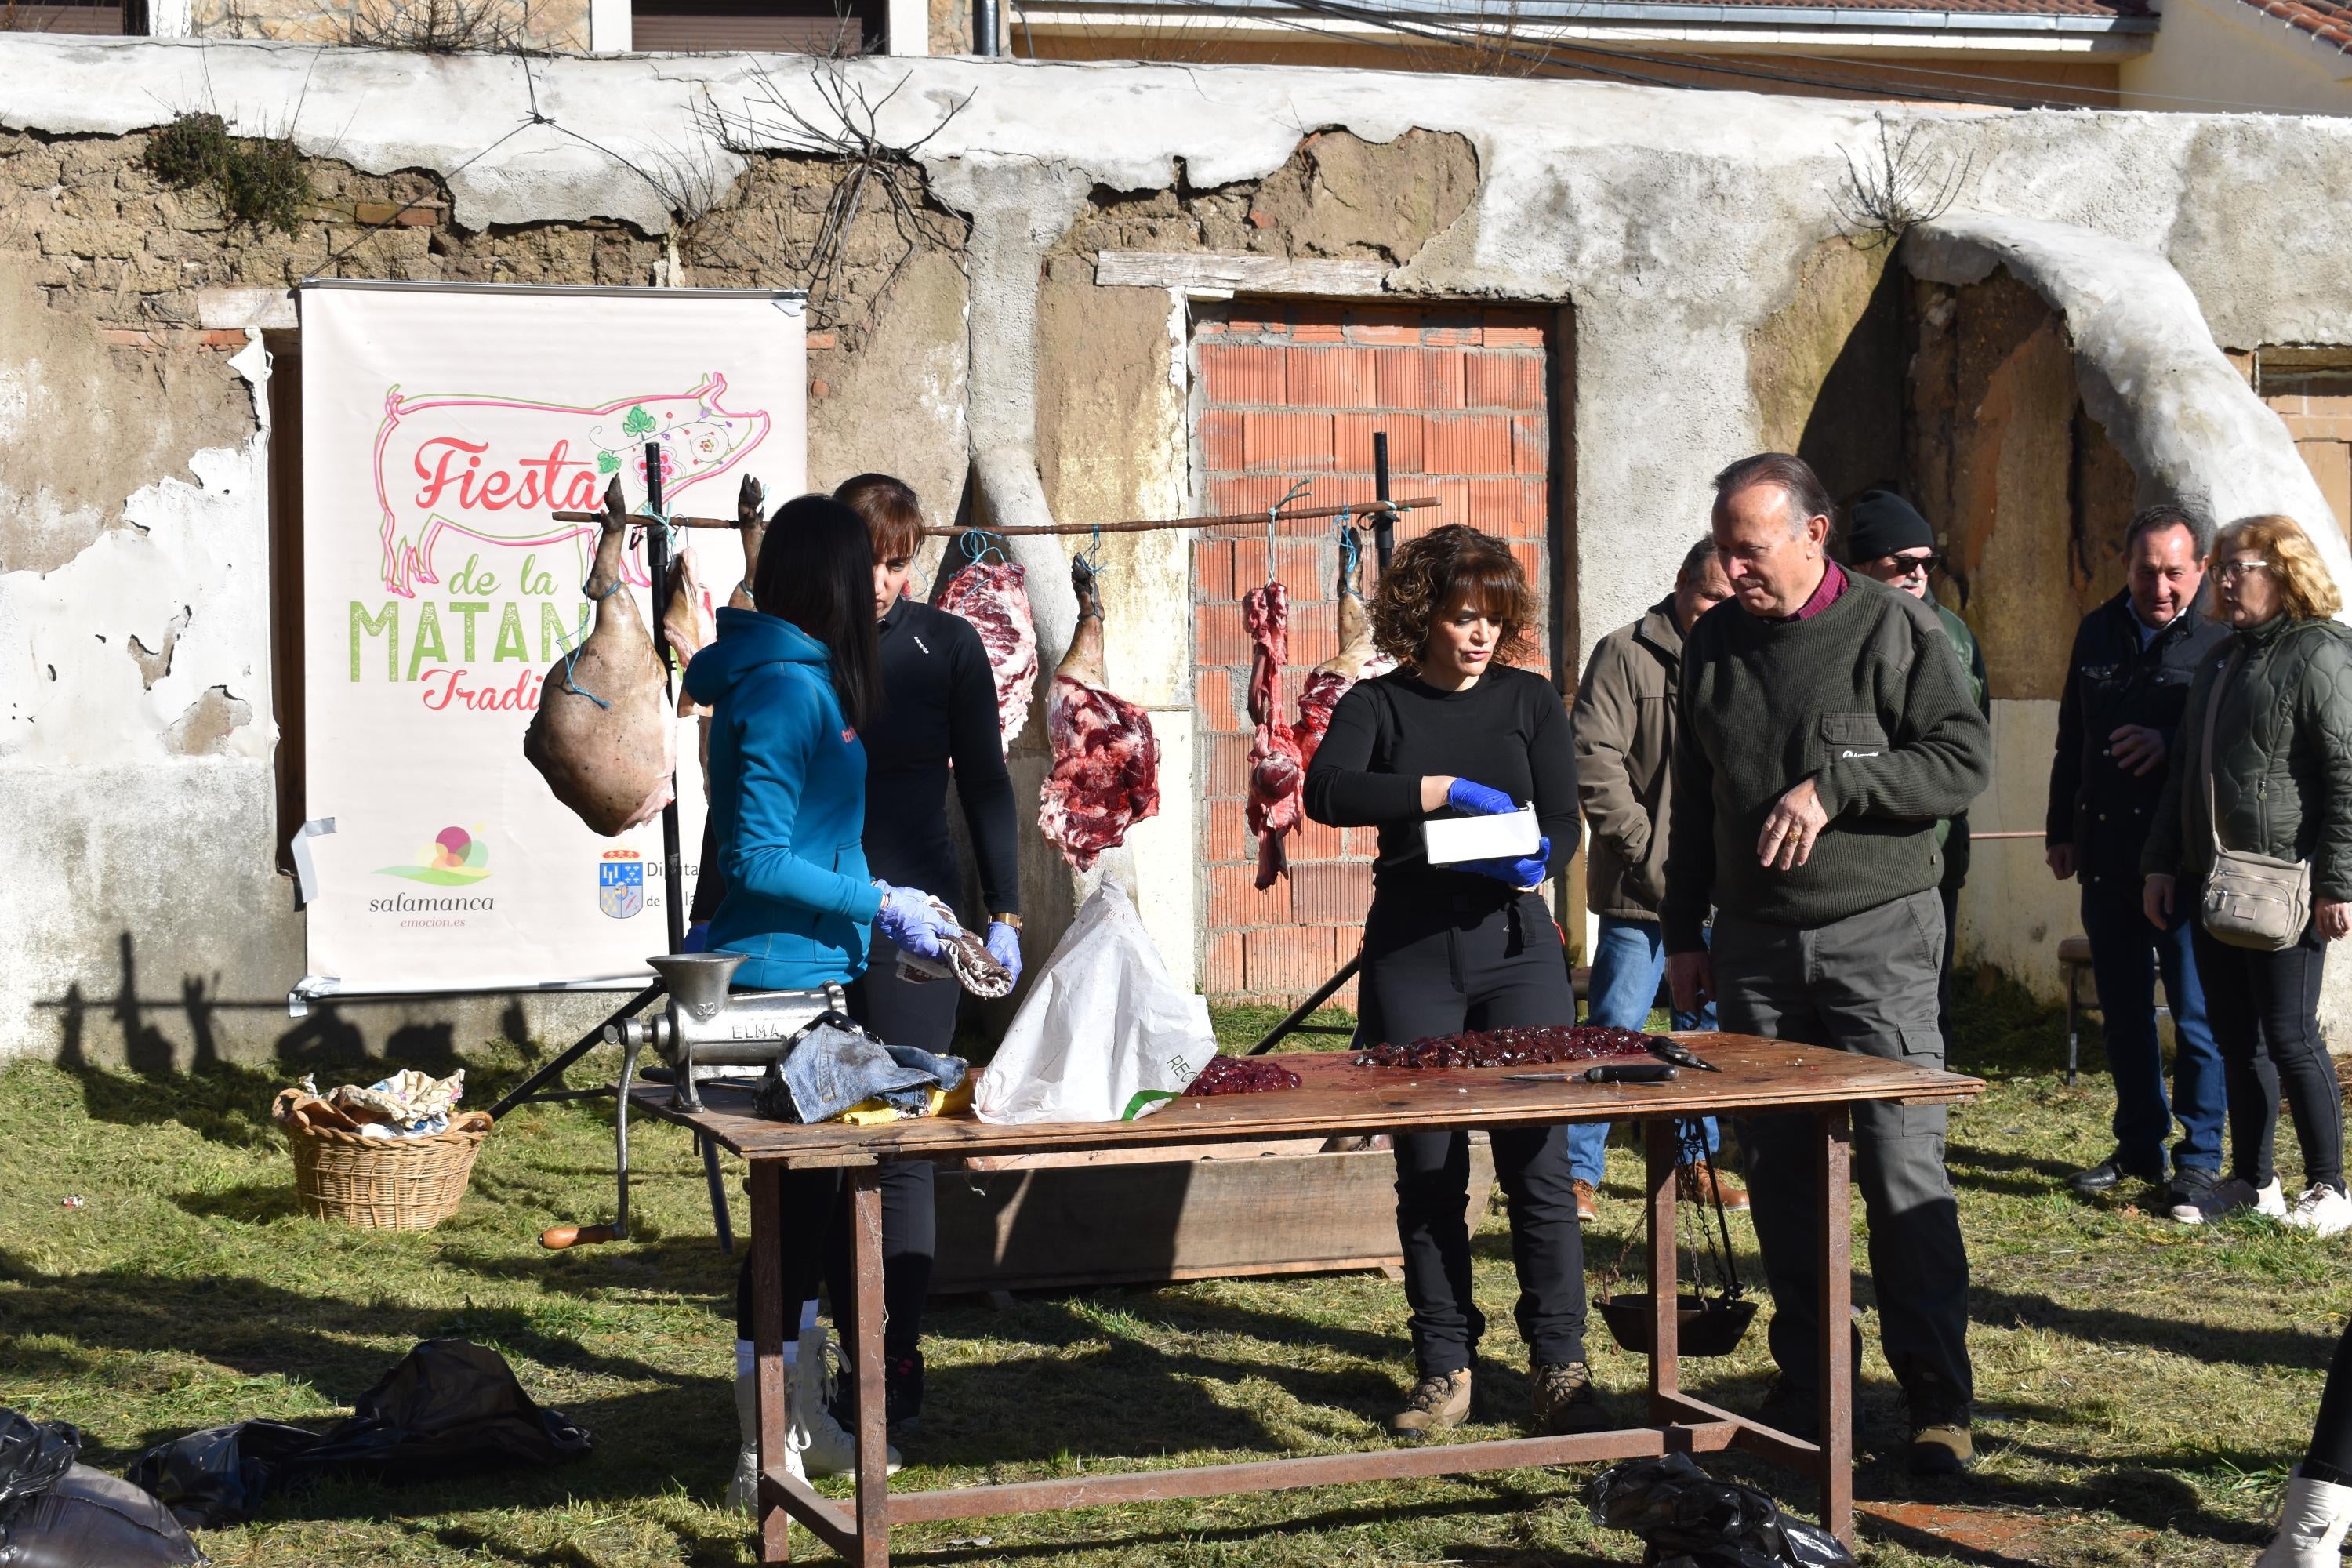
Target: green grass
(2142,1386)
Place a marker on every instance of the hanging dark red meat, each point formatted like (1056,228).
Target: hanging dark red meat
(1106,774)
(994,598)
(1278,776)
(602,735)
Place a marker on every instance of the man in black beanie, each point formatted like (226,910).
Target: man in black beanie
(1886,539)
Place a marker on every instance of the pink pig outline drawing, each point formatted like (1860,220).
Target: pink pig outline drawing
(700,439)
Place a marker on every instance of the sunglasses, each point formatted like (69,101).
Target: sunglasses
(1914,565)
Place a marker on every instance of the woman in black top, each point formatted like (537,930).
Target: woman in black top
(1455,731)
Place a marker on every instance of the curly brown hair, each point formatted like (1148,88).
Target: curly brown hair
(1427,574)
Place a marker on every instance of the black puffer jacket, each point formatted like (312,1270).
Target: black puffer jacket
(2282,758)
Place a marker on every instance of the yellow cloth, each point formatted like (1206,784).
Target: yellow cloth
(874,1113)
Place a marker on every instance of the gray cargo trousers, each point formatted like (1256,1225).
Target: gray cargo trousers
(1866,984)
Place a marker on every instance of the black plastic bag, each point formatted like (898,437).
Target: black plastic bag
(1689,1518)
(90,1520)
(55,1513)
(448,1406)
(34,1456)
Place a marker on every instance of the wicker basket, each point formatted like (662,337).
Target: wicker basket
(380,1183)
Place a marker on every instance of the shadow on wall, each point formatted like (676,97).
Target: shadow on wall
(158,1039)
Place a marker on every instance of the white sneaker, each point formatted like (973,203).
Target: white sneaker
(2229,1197)
(2322,1210)
(2311,1525)
(743,1490)
(823,1447)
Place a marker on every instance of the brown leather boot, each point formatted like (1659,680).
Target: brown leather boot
(1701,1184)
(1564,1400)
(1438,1402)
(1587,1203)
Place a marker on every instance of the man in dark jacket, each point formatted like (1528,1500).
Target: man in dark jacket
(1624,730)
(1886,539)
(2125,686)
(1825,729)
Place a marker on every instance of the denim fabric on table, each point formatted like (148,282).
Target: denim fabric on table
(1628,962)
(834,1064)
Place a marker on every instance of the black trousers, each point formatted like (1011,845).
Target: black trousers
(816,1203)
(2265,1011)
(2330,1459)
(1483,969)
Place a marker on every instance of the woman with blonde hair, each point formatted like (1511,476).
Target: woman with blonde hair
(2272,712)
(1453,732)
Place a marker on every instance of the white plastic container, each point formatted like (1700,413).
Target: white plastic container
(1450,840)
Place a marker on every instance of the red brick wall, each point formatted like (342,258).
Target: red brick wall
(1293,391)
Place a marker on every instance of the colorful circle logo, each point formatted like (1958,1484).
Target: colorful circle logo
(454,858)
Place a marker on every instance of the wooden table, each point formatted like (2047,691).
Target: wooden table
(1336,1097)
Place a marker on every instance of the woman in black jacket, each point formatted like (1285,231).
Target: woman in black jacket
(1455,731)
(2278,699)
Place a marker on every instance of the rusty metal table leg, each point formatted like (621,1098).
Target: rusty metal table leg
(767,1180)
(1662,1139)
(1837,1328)
(873,1402)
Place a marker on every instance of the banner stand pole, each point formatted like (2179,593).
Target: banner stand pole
(674,911)
(658,571)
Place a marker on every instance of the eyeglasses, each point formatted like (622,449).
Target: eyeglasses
(2232,571)
(1914,565)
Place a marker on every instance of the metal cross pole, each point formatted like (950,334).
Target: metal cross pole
(657,566)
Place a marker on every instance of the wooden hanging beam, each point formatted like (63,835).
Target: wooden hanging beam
(1295,514)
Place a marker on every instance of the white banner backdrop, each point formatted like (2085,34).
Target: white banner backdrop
(442,427)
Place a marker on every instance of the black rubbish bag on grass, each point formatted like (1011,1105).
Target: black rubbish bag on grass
(1690,1519)
(55,1513)
(448,1408)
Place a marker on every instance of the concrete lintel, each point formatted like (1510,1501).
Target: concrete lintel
(1209,272)
(271,310)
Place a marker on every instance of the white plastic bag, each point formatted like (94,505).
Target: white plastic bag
(1105,1034)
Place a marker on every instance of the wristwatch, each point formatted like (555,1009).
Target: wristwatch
(1007,919)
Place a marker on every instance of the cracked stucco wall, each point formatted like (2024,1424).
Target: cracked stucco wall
(1675,225)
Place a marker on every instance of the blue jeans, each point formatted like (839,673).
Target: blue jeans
(1628,962)
(2126,953)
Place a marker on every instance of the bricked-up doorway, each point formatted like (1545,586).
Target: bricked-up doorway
(1474,401)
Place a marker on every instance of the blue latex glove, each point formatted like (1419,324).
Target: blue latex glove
(908,917)
(1479,800)
(697,937)
(1004,946)
(1525,872)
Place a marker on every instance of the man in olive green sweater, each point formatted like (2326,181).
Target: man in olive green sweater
(1825,729)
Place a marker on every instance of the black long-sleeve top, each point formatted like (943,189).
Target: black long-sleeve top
(939,709)
(1509,731)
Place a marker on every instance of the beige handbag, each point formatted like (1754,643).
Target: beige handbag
(2251,900)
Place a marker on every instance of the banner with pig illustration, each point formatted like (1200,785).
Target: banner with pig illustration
(444,425)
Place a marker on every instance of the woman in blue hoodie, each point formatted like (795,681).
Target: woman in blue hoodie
(789,683)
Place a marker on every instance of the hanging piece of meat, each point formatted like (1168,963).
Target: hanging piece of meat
(995,598)
(1106,774)
(686,623)
(751,529)
(1330,681)
(601,737)
(1277,775)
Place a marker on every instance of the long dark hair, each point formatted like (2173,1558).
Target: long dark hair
(816,571)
